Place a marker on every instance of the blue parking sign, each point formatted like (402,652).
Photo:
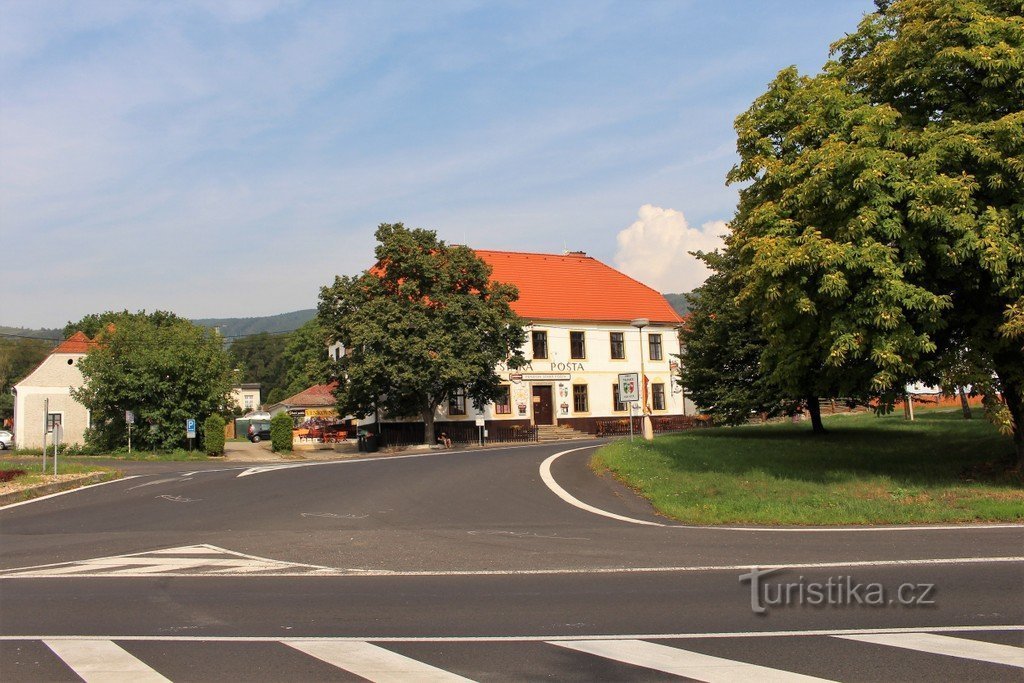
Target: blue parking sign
(190,428)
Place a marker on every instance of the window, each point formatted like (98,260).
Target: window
(618,346)
(457,403)
(620,406)
(579,398)
(248,401)
(658,396)
(577,345)
(52,420)
(503,404)
(540,344)
(654,342)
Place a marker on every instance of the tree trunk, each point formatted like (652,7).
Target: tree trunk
(964,405)
(814,408)
(1008,368)
(428,426)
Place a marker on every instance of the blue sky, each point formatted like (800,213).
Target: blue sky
(227,158)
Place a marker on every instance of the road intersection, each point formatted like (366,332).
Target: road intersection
(472,564)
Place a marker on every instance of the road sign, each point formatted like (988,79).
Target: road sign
(190,428)
(480,421)
(129,417)
(629,387)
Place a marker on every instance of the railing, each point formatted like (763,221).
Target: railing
(412,433)
(513,434)
(670,423)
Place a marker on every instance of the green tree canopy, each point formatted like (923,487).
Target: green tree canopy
(880,220)
(260,358)
(18,357)
(305,358)
(163,368)
(424,323)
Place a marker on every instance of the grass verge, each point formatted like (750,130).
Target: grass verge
(866,470)
(30,483)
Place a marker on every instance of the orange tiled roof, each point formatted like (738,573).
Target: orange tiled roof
(316,395)
(76,343)
(575,287)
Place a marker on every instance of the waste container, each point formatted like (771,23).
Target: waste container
(371,443)
(361,443)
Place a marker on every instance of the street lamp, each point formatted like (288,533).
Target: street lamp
(647,428)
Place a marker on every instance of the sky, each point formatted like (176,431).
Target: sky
(230,157)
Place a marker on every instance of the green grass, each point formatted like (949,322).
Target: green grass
(33,474)
(180,454)
(866,470)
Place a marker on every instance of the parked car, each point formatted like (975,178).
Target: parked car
(259,431)
(6,440)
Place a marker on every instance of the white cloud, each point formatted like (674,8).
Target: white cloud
(655,249)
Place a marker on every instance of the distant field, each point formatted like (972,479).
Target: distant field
(866,470)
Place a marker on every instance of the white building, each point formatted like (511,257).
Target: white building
(246,396)
(53,379)
(579,339)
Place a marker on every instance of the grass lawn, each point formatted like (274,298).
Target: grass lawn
(33,474)
(136,455)
(866,470)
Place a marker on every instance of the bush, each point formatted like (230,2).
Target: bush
(213,435)
(281,432)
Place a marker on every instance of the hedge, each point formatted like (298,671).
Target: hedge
(213,435)
(281,432)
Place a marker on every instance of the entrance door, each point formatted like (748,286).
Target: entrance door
(543,406)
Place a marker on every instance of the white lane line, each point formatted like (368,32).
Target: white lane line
(549,481)
(372,662)
(987,628)
(64,493)
(101,661)
(556,488)
(295,569)
(679,662)
(947,645)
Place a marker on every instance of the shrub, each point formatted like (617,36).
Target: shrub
(213,435)
(281,432)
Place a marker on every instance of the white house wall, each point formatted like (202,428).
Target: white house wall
(53,379)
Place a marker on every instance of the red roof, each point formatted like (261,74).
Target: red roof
(575,286)
(316,395)
(76,343)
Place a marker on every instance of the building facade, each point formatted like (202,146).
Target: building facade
(246,396)
(53,381)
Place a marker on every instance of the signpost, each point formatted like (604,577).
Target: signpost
(46,428)
(629,391)
(190,431)
(480,428)
(129,419)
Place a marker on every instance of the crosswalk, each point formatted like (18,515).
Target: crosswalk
(994,654)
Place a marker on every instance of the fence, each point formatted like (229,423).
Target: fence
(412,433)
(672,423)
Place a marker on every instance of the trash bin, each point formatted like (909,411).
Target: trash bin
(371,443)
(361,441)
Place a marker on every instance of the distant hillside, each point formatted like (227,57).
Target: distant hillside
(26,332)
(678,302)
(240,327)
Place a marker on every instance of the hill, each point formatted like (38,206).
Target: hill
(678,302)
(241,327)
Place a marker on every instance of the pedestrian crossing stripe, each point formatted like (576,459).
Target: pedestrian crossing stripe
(192,560)
(102,659)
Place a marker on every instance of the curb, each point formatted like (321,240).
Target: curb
(56,487)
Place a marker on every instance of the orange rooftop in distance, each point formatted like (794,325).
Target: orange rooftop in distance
(575,286)
(76,343)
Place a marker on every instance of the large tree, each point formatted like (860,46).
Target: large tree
(305,358)
(424,323)
(163,368)
(260,358)
(18,357)
(880,223)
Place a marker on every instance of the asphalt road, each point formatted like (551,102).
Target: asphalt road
(467,563)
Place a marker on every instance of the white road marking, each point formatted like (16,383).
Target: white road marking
(205,559)
(155,482)
(528,639)
(679,662)
(372,662)
(64,493)
(110,566)
(101,661)
(963,648)
(556,488)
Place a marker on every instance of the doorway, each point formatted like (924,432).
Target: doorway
(543,406)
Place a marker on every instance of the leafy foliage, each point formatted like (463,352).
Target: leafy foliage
(260,358)
(424,323)
(18,357)
(305,358)
(162,367)
(881,223)
(281,433)
(213,435)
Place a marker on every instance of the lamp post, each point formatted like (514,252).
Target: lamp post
(647,427)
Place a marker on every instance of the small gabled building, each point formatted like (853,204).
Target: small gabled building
(316,401)
(53,379)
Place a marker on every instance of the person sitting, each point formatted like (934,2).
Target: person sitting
(444,440)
